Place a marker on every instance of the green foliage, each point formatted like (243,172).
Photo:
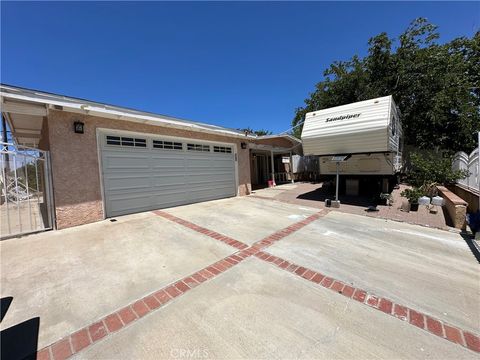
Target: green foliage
(412,194)
(260,132)
(437,87)
(430,168)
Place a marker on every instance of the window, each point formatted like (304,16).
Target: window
(126,141)
(167,145)
(198,147)
(222,149)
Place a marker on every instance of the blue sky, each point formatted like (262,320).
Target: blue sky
(231,64)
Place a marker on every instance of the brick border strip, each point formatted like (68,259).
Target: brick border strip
(279,235)
(213,234)
(265,242)
(110,324)
(423,321)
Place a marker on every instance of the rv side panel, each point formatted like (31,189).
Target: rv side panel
(361,127)
(395,131)
(374,164)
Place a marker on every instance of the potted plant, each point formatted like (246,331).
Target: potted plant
(386,199)
(412,195)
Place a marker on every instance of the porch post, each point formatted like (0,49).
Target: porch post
(273,168)
(291,168)
(5,140)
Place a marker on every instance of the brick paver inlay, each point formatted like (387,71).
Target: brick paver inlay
(112,323)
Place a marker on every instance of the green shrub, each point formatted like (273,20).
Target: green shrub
(413,194)
(430,168)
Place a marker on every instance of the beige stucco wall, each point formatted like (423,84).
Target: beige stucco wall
(75,167)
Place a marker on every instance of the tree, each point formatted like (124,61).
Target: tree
(260,132)
(437,87)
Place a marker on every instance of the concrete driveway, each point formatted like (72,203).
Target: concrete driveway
(244,278)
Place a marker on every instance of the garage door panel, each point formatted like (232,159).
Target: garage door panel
(170,199)
(208,169)
(202,182)
(168,189)
(124,183)
(147,178)
(167,162)
(169,181)
(223,163)
(223,179)
(144,201)
(205,195)
(123,161)
(208,178)
(220,188)
(162,169)
(121,205)
(222,171)
(201,164)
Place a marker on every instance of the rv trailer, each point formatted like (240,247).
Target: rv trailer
(369,132)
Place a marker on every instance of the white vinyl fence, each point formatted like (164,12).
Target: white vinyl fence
(462,161)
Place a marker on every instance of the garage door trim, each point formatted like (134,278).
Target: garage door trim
(101,134)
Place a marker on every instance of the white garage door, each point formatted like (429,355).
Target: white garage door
(144,172)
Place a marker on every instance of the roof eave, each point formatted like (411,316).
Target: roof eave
(118,113)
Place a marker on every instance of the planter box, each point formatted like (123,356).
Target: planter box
(456,207)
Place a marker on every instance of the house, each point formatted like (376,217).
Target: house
(102,161)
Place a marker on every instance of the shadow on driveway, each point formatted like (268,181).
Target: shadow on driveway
(473,246)
(321,194)
(19,341)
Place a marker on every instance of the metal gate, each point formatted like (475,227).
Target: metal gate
(26,203)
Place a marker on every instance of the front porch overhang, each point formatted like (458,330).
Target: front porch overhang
(273,149)
(25,121)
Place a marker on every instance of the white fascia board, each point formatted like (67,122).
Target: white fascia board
(269,148)
(138,116)
(287,136)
